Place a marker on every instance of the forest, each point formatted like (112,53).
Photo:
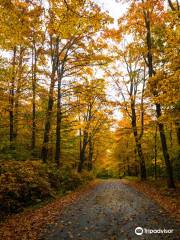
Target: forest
(84,95)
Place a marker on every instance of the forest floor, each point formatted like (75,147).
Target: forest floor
(102,210)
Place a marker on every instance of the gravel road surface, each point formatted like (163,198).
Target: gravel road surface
(112,211)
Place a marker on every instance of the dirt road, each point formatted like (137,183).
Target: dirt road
(112,211)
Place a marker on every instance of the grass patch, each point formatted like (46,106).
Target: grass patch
(131,178)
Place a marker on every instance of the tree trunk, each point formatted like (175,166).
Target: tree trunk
(171,5)
(11,101)
(155,154)
(44,151)
(178,131)
(33,141)
(80,140)
(34,69)
(142,161)
(128,169)
(18,88)
(90,153)
(58,122)
(83,152)
(137,142)
(169,171)
(135,159)
(16,111)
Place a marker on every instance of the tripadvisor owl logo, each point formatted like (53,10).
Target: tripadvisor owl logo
(139,231)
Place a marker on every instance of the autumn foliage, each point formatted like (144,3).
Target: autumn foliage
(30,182)
(65,73)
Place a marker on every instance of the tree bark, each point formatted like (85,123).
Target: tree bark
(11,100)
(60,72)
(44,151)
(90,165)
(171,5)
(34,73)
(58,121)
(18,88)
(177,122)
(178,134)
(137,142)
(169,171)
(155,154)
(83,151)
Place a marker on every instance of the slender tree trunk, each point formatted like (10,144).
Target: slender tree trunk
(44,151)
(16,111)
(11,101)
(171,136)
(90,153)
(58,122)
(178,135)
(155,154)
(142,162)
(138,144)
(128,167)
(18,88)
(127,162)
(169,171)
(135,159)
(80,140)
(34,69)
(83,151)
(178,131)
(60,72)
(119,170)
(171,5)
(33,140)
(124,171)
